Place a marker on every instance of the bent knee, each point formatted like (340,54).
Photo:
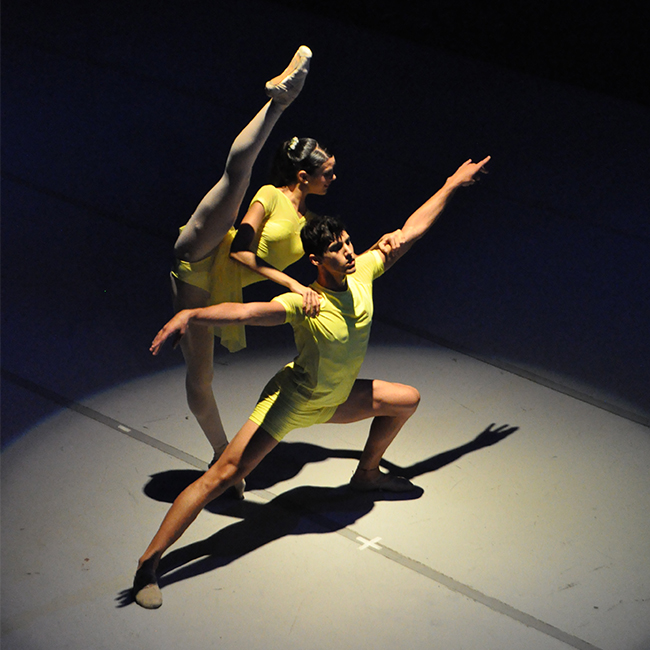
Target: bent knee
(398,398)
(412,398)
(222,476)
(184,245)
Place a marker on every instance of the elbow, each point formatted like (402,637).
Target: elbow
(244,257)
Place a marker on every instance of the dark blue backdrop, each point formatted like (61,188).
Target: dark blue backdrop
(117,117)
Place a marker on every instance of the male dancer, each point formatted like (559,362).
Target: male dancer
(321,384)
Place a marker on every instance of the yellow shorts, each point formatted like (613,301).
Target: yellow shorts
(195,273)
(279,412)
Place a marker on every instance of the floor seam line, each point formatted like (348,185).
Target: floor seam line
(494,604)
(95,415)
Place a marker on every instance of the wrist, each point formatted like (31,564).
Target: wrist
(295,287)
(192,314)
(451,184)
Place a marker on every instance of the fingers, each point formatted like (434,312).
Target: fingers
(162,336)
(391,242)
(468,164)
(311,303)
(156,344)
(159,341)
(471,171)
(384,247)
(481,165)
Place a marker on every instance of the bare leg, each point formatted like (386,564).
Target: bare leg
(241,456)
(390,405)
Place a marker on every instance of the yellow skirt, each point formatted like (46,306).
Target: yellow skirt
(221,277)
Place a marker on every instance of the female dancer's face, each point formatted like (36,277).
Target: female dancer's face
(321,179)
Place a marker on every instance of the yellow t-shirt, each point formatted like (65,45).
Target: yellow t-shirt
(331,346)
(278,241)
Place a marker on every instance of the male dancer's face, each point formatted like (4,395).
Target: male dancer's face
(338,258)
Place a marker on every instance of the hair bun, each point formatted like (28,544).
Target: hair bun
(294,155)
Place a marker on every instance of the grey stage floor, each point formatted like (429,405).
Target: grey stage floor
(522,319)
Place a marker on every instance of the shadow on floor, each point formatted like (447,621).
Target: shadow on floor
(303,510)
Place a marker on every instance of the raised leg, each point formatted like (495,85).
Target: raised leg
(218,210)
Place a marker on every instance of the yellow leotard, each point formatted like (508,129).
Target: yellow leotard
(331,349)
(277,243)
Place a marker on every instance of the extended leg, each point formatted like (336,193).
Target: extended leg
(241,456)
(218,210)
(390,405)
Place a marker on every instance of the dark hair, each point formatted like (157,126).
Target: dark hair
(319,232)
(294,155)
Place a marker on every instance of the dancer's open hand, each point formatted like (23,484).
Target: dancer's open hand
(174,329)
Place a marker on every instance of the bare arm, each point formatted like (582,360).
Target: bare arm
(240,252)
(227,313)
(395,244)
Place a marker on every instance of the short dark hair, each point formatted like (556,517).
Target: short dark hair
(319,232)
(295,155)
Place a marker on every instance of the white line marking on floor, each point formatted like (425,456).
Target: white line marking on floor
(369,543)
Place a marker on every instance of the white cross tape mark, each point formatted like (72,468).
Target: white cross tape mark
(372,543)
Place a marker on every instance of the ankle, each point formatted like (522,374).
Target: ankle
(149,564)
(276,105)
(366,473)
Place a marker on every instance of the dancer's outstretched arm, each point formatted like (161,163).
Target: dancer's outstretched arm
(227,313)
(394,245)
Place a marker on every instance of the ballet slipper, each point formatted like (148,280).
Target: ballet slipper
(146,591)
(149,597)
(284,88)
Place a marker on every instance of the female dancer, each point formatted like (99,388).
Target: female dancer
(214,261)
